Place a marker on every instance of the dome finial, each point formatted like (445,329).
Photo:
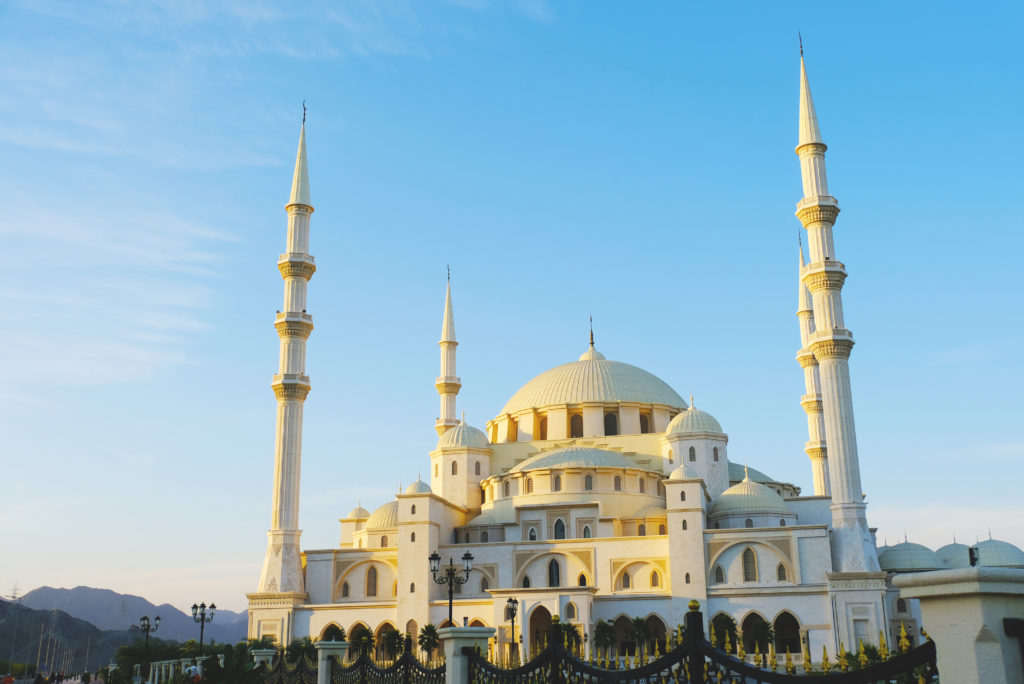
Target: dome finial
(463,418)
(591,330)
(692,405)
(746,473)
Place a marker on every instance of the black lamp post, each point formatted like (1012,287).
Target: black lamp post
(450,576)
(199,615)
(146,626)
(511,608)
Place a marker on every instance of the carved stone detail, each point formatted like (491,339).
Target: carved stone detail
(805,357)
(448,387)
(828,279)
(816,452)
(832,348)
(290,390)
(301,269)
(817,213)
(293,328)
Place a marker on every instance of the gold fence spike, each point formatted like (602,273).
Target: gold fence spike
(790,667)
(904,642)
(883,650)
(825,665)
(773,660)
(740,653)
(808,663)
(925,634)
(862,656)
(843,659)
(728,643)
(714,639)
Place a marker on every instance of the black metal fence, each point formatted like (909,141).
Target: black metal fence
(302,671)
(407,669)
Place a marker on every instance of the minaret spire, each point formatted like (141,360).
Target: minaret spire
(447,383)
(282,569)
(831,343)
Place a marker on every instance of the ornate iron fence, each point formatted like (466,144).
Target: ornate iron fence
(407,669)
(695,661)
(302,671)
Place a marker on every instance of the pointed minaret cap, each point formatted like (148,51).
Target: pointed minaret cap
(803,296)
(809,131)
(300,180)
(448,325)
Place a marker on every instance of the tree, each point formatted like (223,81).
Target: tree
(428,639)
(391,641)
(721,626)
(334,633)
(604,635)
(299,648)
(570,636)
(639,631)
(237,668)
(360,639)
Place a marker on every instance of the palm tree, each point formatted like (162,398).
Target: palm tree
(391,642)
(570,636)
(299,648)
(428,639)
(639,631)
(334,633)
(604,634)
(360,639)
(721,626)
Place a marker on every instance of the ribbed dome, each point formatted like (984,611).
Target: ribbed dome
(593,379)
(691,421)
(908,557)
(384,518)
(681,473)
(749,498)
(418,487)
(358,513)
(991,553)
(463,435)
(651,512)
(575,457)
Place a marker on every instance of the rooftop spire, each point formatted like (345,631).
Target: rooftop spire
(591,330)
(448,325)
(692,405)
(809,131)
(300,180)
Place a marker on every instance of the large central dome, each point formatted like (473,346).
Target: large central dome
(593,379)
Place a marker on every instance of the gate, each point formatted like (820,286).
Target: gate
(695,661)
(406,670)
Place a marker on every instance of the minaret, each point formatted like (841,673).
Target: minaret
(811,401)
(831,343)
(447,384)
(282,568)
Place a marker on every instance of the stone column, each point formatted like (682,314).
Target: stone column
(324,650)
(963,610)
(453,640)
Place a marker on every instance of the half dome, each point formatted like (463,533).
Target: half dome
(384,518)
(575,457)
(593,379)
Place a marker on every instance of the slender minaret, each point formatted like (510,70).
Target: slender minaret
(282,568)
(811,401)
(831,343)
(447,384)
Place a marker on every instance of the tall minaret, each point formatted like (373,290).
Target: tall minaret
(811,401)
(282,567)
(831,342)
(447,384)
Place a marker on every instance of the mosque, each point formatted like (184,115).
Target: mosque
(598,493)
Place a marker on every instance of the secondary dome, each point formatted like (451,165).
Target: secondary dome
(994,552)
(418,487)
(358,513)
(908,557)
(681,473)
(693,420)
(575,457)
(463,435)
(384,518)
(593,379)
(749,498)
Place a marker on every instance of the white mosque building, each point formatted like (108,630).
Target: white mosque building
(598,493)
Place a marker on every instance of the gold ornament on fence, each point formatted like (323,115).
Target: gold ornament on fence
(825,665)
(790,667)
(844,661)
(883,649)
(773,661)
(904,641)
(862,656)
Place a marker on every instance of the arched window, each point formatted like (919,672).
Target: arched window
(581,580)
(533,534)
(625,580)
(643,485)
(780,573)
(749,565)
(384,542)
(485,584)
(588,482)
(645,424)
(714,452)
(412,511)
(371,581)
(586,531)
(682,495)
(611,424)
(344,590)
(618,484)
(508,488)
(570,611)
(693,454)
(901,605)
(544,428)
(576,426)
(557,485)
(455,468)
(684,524)
(553,574)
(476,468)
(559,529)
(661,529)
(687,579)
(412,587)
(412,537)
(719,575)
(642,530)
(526,582)
(529,485)
(748,523)
(782,523)
(484,537)
(655,579)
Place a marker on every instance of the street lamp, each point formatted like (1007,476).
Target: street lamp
(199,615)
(450,576)
(146,626)
(511,607)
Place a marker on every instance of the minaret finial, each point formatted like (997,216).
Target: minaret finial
(801,39)
(463,417)
(448,266)
(303,112)
(746,472)
(692,405)
(591,330)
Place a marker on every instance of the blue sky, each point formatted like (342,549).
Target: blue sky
(633,161)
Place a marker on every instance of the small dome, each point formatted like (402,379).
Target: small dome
(651,511)
(909,557)
(463,435)
(384,518)
(691,421)
(749,498)
(358,513)
(952,555)
(575,457)
(996,553)
(418,487)
(681,473)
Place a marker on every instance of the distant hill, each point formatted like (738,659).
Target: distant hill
(109,610)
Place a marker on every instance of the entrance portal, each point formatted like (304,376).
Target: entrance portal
(540,627)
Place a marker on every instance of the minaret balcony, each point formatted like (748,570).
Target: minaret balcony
(829,344)
(817,201)
(811,403)
(448,385)
(294,324)
(290,385)
(293,264)
(823,275)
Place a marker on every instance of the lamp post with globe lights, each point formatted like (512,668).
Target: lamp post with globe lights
(146,626)
(450,576)
(199,615)
(511,608)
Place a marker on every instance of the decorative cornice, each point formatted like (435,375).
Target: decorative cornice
(832,347)
(301,269)
(291,386)
(299,209)
(448,386)
(829,276)
(817,213)
(810,149)
(294,325)
(811,403)
(805,357)
(816,452)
